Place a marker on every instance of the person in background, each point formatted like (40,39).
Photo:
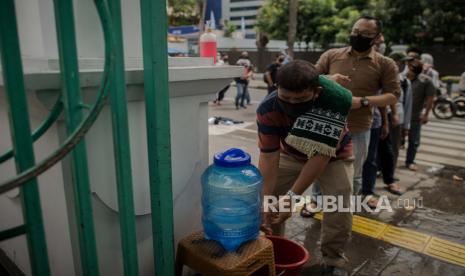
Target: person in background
(414,52)
(428,69)
(287,57)
(244,59)
(350,67)
(222,61)
(423,92)
(242,84)
(250,76)
(403,106)
(380,148)
(272,72)
(388,149)
(365,72)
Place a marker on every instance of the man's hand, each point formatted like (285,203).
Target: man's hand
(265,225)
(424,118)
(339,78)
(281,216)
(395,120)
(384,131)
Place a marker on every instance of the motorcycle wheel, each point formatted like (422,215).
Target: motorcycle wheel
(444,110)
(460,108)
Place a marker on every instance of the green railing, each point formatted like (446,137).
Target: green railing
(154,30)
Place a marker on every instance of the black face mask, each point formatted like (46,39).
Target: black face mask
(360,43)
(417,70)
(295,110)
(280,60)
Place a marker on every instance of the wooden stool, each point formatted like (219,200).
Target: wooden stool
(210,259)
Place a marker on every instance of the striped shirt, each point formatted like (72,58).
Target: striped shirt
(274,126)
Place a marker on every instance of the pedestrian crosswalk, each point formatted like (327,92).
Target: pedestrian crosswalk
(442,143)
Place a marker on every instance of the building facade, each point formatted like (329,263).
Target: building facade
(234,10)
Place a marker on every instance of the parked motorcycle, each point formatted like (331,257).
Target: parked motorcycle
(445,107)
(459,102)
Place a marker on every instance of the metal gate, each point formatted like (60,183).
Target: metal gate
(113,86)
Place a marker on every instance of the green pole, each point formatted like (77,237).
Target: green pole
(73,115)
(156,90)
(21,136)
(122,150)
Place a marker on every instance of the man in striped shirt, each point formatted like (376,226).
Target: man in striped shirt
(286,171)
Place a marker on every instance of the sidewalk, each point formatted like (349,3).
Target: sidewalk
(404,242)
(426,240)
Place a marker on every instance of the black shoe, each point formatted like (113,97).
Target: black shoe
(329,270)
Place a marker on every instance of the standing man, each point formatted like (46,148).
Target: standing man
(288,171)
(363,71)
(242,84)
(428,69)
(423,92)
(380,148)
(222,61)
(403,106)
(388,148)
(244,59)
(271,73)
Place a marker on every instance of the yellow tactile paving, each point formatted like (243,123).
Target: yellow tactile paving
(440,249)
(406,238)
(446,251)
(368,227)
(318,216)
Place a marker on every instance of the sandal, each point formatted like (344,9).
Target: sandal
(372,202)
(395,189)
(306,213)
(412,167)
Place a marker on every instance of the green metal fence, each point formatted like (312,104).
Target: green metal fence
(154,30)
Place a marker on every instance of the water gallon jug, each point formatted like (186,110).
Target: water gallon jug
(231,190)
(207,45)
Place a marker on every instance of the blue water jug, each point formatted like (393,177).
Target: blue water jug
(231,190)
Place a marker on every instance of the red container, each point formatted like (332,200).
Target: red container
(289,256)
(207,45)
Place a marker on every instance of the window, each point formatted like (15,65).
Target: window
(250,8)
(247,27)
(248,17)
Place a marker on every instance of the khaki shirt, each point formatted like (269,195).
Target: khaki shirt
(369,74)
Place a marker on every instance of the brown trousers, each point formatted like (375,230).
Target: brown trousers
(336,180)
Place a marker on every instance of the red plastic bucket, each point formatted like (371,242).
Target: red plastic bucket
(289,256)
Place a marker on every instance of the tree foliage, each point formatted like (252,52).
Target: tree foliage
(184,12)
(419,22)
(229,28)
(425,22)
